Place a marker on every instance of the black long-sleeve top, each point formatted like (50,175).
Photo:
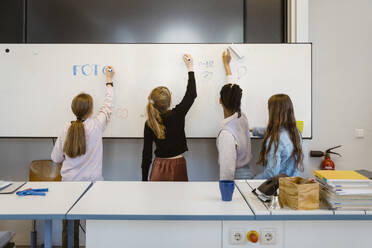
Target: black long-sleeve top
(175,139)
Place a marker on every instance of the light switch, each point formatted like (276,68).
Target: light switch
(359,133)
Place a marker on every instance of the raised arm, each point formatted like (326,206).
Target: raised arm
(190,95)
(104,114)
(226,58)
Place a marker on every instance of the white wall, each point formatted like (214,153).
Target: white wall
(302,20)
(341,34)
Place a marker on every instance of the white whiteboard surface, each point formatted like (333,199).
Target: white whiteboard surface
(38,82)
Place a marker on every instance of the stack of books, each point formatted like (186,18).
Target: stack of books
(345,190)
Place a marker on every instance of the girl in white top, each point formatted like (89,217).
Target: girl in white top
(79,148)
(233,141)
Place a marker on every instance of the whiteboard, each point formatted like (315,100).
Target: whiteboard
(38,82)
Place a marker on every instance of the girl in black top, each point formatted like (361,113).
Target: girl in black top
(166,127)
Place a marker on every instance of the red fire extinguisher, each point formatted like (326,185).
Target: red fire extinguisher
(327,163)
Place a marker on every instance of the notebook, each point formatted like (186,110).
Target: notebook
(340,176)
(365,173)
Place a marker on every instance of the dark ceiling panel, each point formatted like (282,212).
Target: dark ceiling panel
(135,21)
(265,21)
(12,21)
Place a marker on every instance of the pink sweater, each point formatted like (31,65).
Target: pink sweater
(87,167)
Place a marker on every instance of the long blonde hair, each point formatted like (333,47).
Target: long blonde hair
(75,145)
(281,114)
(159,103)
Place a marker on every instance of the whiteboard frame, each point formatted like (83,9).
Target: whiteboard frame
(152,43)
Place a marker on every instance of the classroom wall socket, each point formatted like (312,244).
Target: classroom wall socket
(237,237)
(268,236)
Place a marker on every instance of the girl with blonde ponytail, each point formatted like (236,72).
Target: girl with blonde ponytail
(79,148)
(162,98)
(166,127)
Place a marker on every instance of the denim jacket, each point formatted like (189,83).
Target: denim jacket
(284,163)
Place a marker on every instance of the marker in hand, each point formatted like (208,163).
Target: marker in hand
(188,61)
(109,68)
(109,73)
(187,58)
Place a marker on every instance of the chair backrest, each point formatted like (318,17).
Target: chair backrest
(45,170)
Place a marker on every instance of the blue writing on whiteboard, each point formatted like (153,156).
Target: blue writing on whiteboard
(88,70)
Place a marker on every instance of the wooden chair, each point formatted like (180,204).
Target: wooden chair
(45,170)
(42,170)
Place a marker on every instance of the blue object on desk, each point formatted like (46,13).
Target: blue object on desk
(33,192)
(227,189)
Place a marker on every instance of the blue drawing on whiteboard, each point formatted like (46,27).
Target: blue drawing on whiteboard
(88,70)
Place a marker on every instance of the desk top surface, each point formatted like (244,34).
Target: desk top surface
(60,198)
(159,201)
(154,201)
(262,210)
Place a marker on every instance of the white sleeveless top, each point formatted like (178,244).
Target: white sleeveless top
(234,145)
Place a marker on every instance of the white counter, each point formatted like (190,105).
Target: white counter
(60,198)
(287,213)
(159,201)
(54,205)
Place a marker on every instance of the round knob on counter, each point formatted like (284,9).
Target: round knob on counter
(253,236)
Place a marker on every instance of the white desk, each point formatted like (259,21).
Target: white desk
(323,213)
(290,214)
(141,214)
(168,214)
(60,198)
(258,208)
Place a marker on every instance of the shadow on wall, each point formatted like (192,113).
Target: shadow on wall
(122,158)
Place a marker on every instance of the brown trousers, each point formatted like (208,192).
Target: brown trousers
(165,169)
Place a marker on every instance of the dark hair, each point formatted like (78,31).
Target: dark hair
(231,97)
(281,114)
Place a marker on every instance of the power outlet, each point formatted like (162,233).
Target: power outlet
(268,237)
(237,237)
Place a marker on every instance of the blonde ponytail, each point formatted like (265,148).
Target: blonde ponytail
(155,122)
(75,143)
(159,102)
